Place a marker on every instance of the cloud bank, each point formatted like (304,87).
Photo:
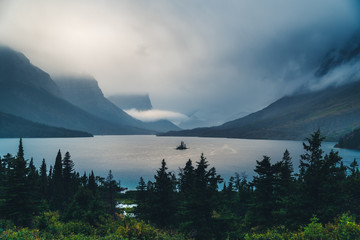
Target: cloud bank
(156,114)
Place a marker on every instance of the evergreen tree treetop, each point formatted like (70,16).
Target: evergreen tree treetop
(313,148)
(20,153)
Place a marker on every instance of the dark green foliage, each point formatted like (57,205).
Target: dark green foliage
(163,200)
(276,198)
(44,181)
(284,191)
(192,209)
(18,202)
(350,140)
(321,181)
(142,197)
(92,186)
(264,201)
(24,193)
(68,175)
(57,182)
(110,189)
(85,206)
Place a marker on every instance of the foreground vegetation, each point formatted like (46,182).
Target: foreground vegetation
(321,201)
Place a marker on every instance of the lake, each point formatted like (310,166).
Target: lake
(130,157)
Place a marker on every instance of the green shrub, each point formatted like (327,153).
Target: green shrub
(23,233)
(315,230)
(346,228)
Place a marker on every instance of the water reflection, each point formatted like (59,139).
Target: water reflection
(130,157)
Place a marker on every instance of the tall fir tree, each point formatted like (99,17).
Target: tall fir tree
(57,184)
(264,202)
(18,205)
(92,186)
(164,202)
(142,199)
(202,201)
(68,174)
(111,188)
(44,181)
(284,192)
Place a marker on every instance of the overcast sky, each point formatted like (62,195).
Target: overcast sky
(215,59)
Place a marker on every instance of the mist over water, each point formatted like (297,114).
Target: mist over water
(130,157)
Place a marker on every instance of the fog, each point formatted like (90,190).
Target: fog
(215,60)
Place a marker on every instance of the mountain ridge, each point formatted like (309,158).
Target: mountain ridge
(85,93)
(334,111)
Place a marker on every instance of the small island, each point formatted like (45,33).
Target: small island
(182,146)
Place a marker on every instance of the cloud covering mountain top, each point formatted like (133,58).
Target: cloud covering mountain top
(215,58)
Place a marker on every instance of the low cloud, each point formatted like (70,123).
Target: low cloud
(156,114)
(343,74)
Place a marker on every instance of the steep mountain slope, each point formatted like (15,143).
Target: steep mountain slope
(85,93)
(28,92)
(15,68)
(16,127)
(335,111)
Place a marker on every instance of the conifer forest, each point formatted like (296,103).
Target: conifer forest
(319,201)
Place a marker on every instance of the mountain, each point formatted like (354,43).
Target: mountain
(16,127)
(335,110)
(28,92)
(15,68)
(350,140)
(84,92)
(140,102)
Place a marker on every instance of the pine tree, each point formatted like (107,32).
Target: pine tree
(322,180)
(33,180)
(57,184)
(333,195)
(284,192)
(263,203)
(44,182)
(310,175)
(352,188)
(92,186)
(68,174)
(111,188)
(142,199)
(186,177)
(164,202)
(18,205)
(20,153)
(202,201)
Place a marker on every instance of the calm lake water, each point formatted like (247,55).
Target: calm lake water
(130,157)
